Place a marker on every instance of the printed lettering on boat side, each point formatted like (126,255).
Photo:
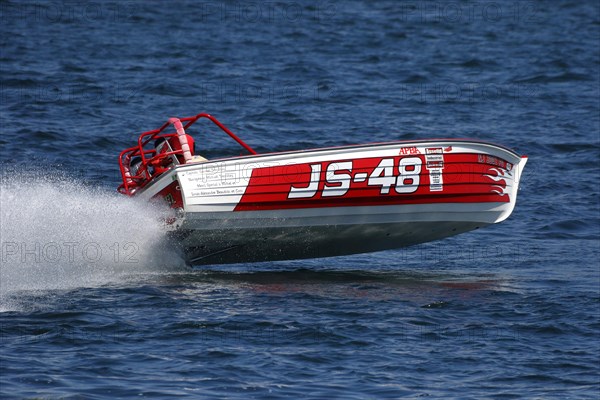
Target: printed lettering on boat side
(409,150)
(434,160)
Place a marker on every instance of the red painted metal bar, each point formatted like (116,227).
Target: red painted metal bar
(148,157)
(220,125)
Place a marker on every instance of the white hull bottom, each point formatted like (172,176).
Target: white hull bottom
(254,236)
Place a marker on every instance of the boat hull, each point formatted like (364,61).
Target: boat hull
(338,201)
(249,237)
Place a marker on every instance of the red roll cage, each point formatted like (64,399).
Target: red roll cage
(150,158)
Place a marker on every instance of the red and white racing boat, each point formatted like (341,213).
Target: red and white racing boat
(321,202)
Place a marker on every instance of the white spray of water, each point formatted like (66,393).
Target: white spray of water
(56,233)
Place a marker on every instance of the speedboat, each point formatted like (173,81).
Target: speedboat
(317,202)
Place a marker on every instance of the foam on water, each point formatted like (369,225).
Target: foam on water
(58,233)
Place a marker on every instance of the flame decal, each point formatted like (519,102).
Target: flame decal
(500,178)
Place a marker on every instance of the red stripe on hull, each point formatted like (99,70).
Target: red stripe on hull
(411,179)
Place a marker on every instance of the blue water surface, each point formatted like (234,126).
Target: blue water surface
(92,303)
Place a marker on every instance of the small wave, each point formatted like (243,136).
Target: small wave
(416,78)
(571,148)
(20,83)
(474,63)
(396,35)
(571,229)
(565,77)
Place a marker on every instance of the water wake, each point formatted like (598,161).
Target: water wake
(58,233)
